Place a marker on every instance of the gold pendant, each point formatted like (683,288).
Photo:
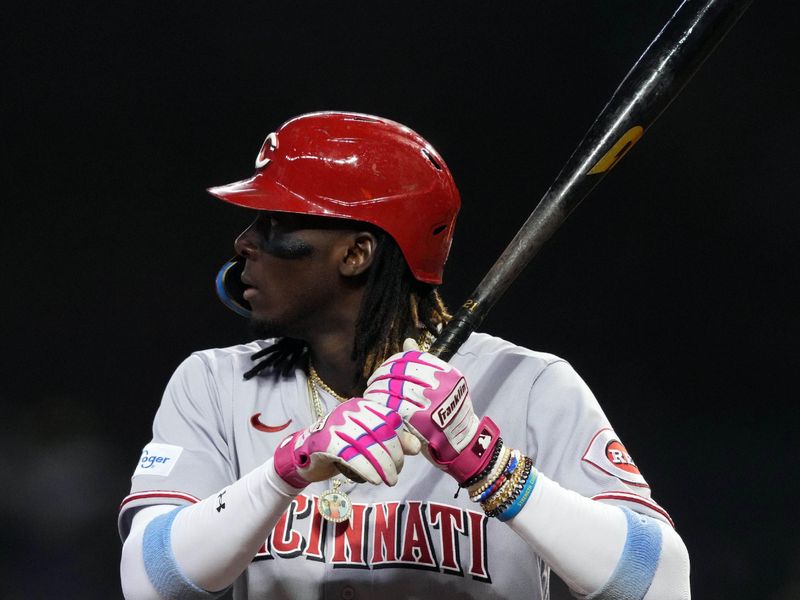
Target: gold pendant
(334,504)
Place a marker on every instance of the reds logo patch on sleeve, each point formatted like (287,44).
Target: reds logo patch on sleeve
(607,453)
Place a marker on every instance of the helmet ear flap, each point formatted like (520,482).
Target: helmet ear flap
(230,288)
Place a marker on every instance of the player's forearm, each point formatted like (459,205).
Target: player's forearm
(210,543)
(218,538)
(590,546)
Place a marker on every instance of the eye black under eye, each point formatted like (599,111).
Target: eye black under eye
(285,246)
(279,241)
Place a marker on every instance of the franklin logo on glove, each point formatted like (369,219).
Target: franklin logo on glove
(450,407)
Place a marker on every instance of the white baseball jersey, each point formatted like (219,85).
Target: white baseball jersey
(414,540)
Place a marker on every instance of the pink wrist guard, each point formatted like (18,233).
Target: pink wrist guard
(475,456)
(286,464)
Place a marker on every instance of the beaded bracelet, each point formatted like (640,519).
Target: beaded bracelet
(513,462)
(503,507)
(497,470)
(516,506)
(479,494)
(505,492)
(497,508)
(473,480)
(498,483)
(504,496)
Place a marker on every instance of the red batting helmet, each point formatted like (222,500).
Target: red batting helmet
(360,167)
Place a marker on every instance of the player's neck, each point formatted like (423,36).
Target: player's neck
(331,357)
(331,354)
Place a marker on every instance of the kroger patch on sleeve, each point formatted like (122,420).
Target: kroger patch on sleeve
(158,459)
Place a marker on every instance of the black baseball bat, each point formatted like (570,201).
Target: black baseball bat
(668,63)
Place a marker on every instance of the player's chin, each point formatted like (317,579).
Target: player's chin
(262,326)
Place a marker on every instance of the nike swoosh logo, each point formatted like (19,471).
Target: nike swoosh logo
(256,422)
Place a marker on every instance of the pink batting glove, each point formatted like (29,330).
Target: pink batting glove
(359,435)
(434,401)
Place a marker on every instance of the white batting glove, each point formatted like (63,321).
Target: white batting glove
(433,399)
(365,438)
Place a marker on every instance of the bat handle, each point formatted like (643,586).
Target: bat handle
(466,320)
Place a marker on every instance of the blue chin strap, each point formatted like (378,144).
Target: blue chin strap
(229,287)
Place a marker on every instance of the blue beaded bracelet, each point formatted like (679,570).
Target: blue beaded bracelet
(512,464)
(520,500)
(510,467)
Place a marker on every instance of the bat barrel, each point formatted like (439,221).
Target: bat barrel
(668,63)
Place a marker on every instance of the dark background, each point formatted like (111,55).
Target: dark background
(672,289)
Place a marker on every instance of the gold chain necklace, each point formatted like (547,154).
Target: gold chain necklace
(334,504)
(317,381)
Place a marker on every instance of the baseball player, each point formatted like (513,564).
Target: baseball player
(334,458)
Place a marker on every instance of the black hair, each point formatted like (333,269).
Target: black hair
(394,304)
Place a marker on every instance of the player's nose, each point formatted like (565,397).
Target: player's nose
(246,243)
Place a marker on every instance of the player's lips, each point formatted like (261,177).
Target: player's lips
(250,290)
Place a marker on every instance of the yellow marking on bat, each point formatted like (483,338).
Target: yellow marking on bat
(618,150)
(470,305)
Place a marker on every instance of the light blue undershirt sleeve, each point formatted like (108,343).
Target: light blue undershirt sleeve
(159,562)
(638,563)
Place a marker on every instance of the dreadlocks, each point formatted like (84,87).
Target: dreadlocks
(394,304)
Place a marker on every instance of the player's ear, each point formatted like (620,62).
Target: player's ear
(359,253)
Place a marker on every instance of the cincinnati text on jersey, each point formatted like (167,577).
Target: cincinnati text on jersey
(411,535)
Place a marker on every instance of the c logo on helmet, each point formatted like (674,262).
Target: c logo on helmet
(270,144)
